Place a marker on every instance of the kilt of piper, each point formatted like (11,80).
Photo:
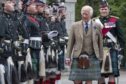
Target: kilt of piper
(114,63)
(35,62)
(91,73)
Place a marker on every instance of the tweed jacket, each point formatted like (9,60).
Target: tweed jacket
(76,38)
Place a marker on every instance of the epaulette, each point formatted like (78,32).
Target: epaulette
(95,18)
(114,16)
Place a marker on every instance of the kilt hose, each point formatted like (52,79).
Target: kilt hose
(61,58)
(114,62)
(35,62)
(91,73)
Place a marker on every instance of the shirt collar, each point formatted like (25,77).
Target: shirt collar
(89,22)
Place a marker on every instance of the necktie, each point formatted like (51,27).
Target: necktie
(86,27)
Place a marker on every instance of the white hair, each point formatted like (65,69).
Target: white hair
(88,8)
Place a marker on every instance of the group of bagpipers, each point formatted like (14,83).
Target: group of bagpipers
(33,38)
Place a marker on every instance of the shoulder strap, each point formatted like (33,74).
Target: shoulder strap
(109,34)
(32,19)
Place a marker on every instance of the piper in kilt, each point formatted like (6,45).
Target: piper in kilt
(112,37)
(85,47)
(33,28)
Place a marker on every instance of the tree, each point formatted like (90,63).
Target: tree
(79,4)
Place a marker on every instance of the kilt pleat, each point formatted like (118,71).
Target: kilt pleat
(92,73)
(114,62)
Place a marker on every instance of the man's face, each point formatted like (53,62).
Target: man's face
(20,4)
(62,12)
(86,15)
(32,9)
(46,15)
(9,6)
(40,9)
(104,11)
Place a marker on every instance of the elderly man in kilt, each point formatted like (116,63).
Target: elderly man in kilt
(112,43)
(85,47)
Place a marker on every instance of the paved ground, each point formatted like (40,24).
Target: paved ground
(122,78)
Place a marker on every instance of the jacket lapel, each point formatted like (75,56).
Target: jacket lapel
(93,34)
(81,31)
(81,28)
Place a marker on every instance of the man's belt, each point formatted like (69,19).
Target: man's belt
(36,38)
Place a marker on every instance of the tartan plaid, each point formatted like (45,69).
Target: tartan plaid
(92,73)
(35,67)
(35,62)
(114,58)
(115,68)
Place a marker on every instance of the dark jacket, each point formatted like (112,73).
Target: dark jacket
(32,26)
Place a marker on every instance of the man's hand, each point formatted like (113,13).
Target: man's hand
(68,61)
(120,57)
(17,45)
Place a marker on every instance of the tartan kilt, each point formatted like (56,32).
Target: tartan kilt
(115,65)
(92,73)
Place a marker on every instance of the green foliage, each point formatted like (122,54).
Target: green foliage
(79,4)
(51,1)
(122,15)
